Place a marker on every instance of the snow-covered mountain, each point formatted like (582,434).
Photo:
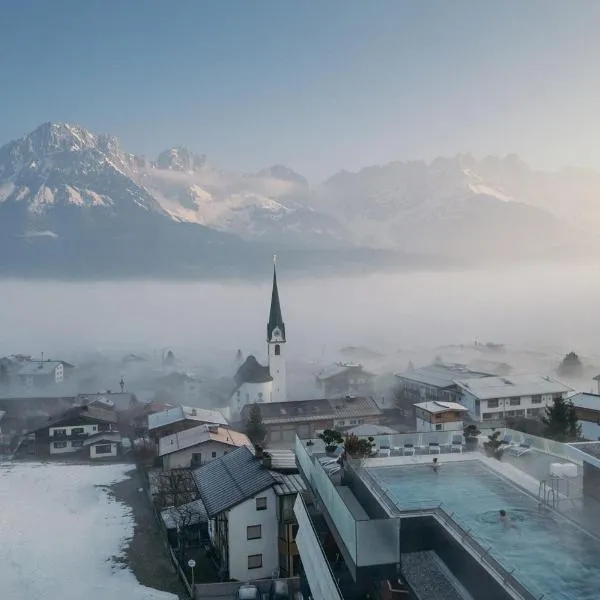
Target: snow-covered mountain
(65,185)
(458,206)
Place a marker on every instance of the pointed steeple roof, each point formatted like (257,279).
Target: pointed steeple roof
(275,317)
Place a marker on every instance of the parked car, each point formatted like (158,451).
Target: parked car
(279,590)
(247,592)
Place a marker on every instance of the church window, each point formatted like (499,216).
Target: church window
(277,349)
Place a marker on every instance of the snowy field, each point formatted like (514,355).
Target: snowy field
(59,532)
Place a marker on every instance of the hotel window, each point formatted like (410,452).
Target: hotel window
(59,432)
(515,401)
(438,427)
(261,503)
(60,444)
(492,403)
(255,561)
(254,532)
(536,399)
(77,431)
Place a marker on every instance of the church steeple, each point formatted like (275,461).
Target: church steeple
(275,324)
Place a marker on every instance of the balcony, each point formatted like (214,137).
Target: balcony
(370,545)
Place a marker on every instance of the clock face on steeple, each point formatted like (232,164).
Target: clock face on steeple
(276,335)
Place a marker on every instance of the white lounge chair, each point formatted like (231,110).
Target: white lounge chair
(408,449)
(384,451)
(434,448)
(456,445)
(518,449)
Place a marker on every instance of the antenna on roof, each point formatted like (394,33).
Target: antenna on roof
(274,259)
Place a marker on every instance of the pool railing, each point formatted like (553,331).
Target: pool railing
(505,574)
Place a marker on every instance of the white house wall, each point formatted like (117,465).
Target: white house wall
(590,431)
(425,426)
(242,516)
(250,393)
(113,451)
(183,458)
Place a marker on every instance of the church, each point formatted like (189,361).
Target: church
(254,382)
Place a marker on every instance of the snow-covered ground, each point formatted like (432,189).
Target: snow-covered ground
(59,532)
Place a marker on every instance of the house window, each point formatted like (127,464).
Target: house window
(60,432)
(254,532)
(261,503)
(214,454)
(255,561)
(77,444)
(438,426)
(103,448)
(60,444)
(277,349)
(515,401)
(492,403)
(77,431)
(536,399)
(487,416)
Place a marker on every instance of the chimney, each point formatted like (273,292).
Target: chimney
(267,460)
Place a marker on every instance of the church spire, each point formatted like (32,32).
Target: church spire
(275,317)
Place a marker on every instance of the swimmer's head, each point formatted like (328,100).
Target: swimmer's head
(502,512)
(435,460)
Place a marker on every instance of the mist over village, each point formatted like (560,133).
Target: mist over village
(299,300)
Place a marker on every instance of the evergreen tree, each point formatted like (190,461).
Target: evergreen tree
(570,366)
(255,430)
(561,421)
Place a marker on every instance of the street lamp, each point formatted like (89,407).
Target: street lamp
(191,565)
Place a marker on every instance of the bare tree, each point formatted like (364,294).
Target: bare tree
(175,488)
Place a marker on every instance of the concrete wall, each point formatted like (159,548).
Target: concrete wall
(240,547)
(591,482)
(419,534)
(182,459)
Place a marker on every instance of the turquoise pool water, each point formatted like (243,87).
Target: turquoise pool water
(550,555)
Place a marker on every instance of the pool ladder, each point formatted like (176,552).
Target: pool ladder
(549,495)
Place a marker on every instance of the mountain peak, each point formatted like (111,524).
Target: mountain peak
(181,159)
(283,173)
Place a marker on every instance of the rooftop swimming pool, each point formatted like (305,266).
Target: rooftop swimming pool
(550,554)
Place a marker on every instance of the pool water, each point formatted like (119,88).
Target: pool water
(550,555)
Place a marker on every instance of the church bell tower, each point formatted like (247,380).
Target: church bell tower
(276,344)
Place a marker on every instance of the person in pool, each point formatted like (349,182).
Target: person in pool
(505,521)
(435,465)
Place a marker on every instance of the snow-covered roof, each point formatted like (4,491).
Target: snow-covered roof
(185,413)
(586,400)
(199,435)
(441,375)
(440,407)
(338,368)
(511,386)
(99,438)
(46,367)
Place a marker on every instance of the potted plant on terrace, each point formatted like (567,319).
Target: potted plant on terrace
(331,439)
(471,434)
(493,447)
(355,447)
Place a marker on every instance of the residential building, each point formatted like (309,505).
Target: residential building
(198,445)
(369,430)
(251,522)
(67,432)
(587,407)
(344,378)
(525,395)
(43,373)
(103,445)
(180,418)
(439,416)
(255,383)
(435,382)
(284,420)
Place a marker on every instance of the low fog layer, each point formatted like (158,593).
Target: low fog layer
(541,309)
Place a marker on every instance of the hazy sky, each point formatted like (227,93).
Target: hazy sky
(317,85)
